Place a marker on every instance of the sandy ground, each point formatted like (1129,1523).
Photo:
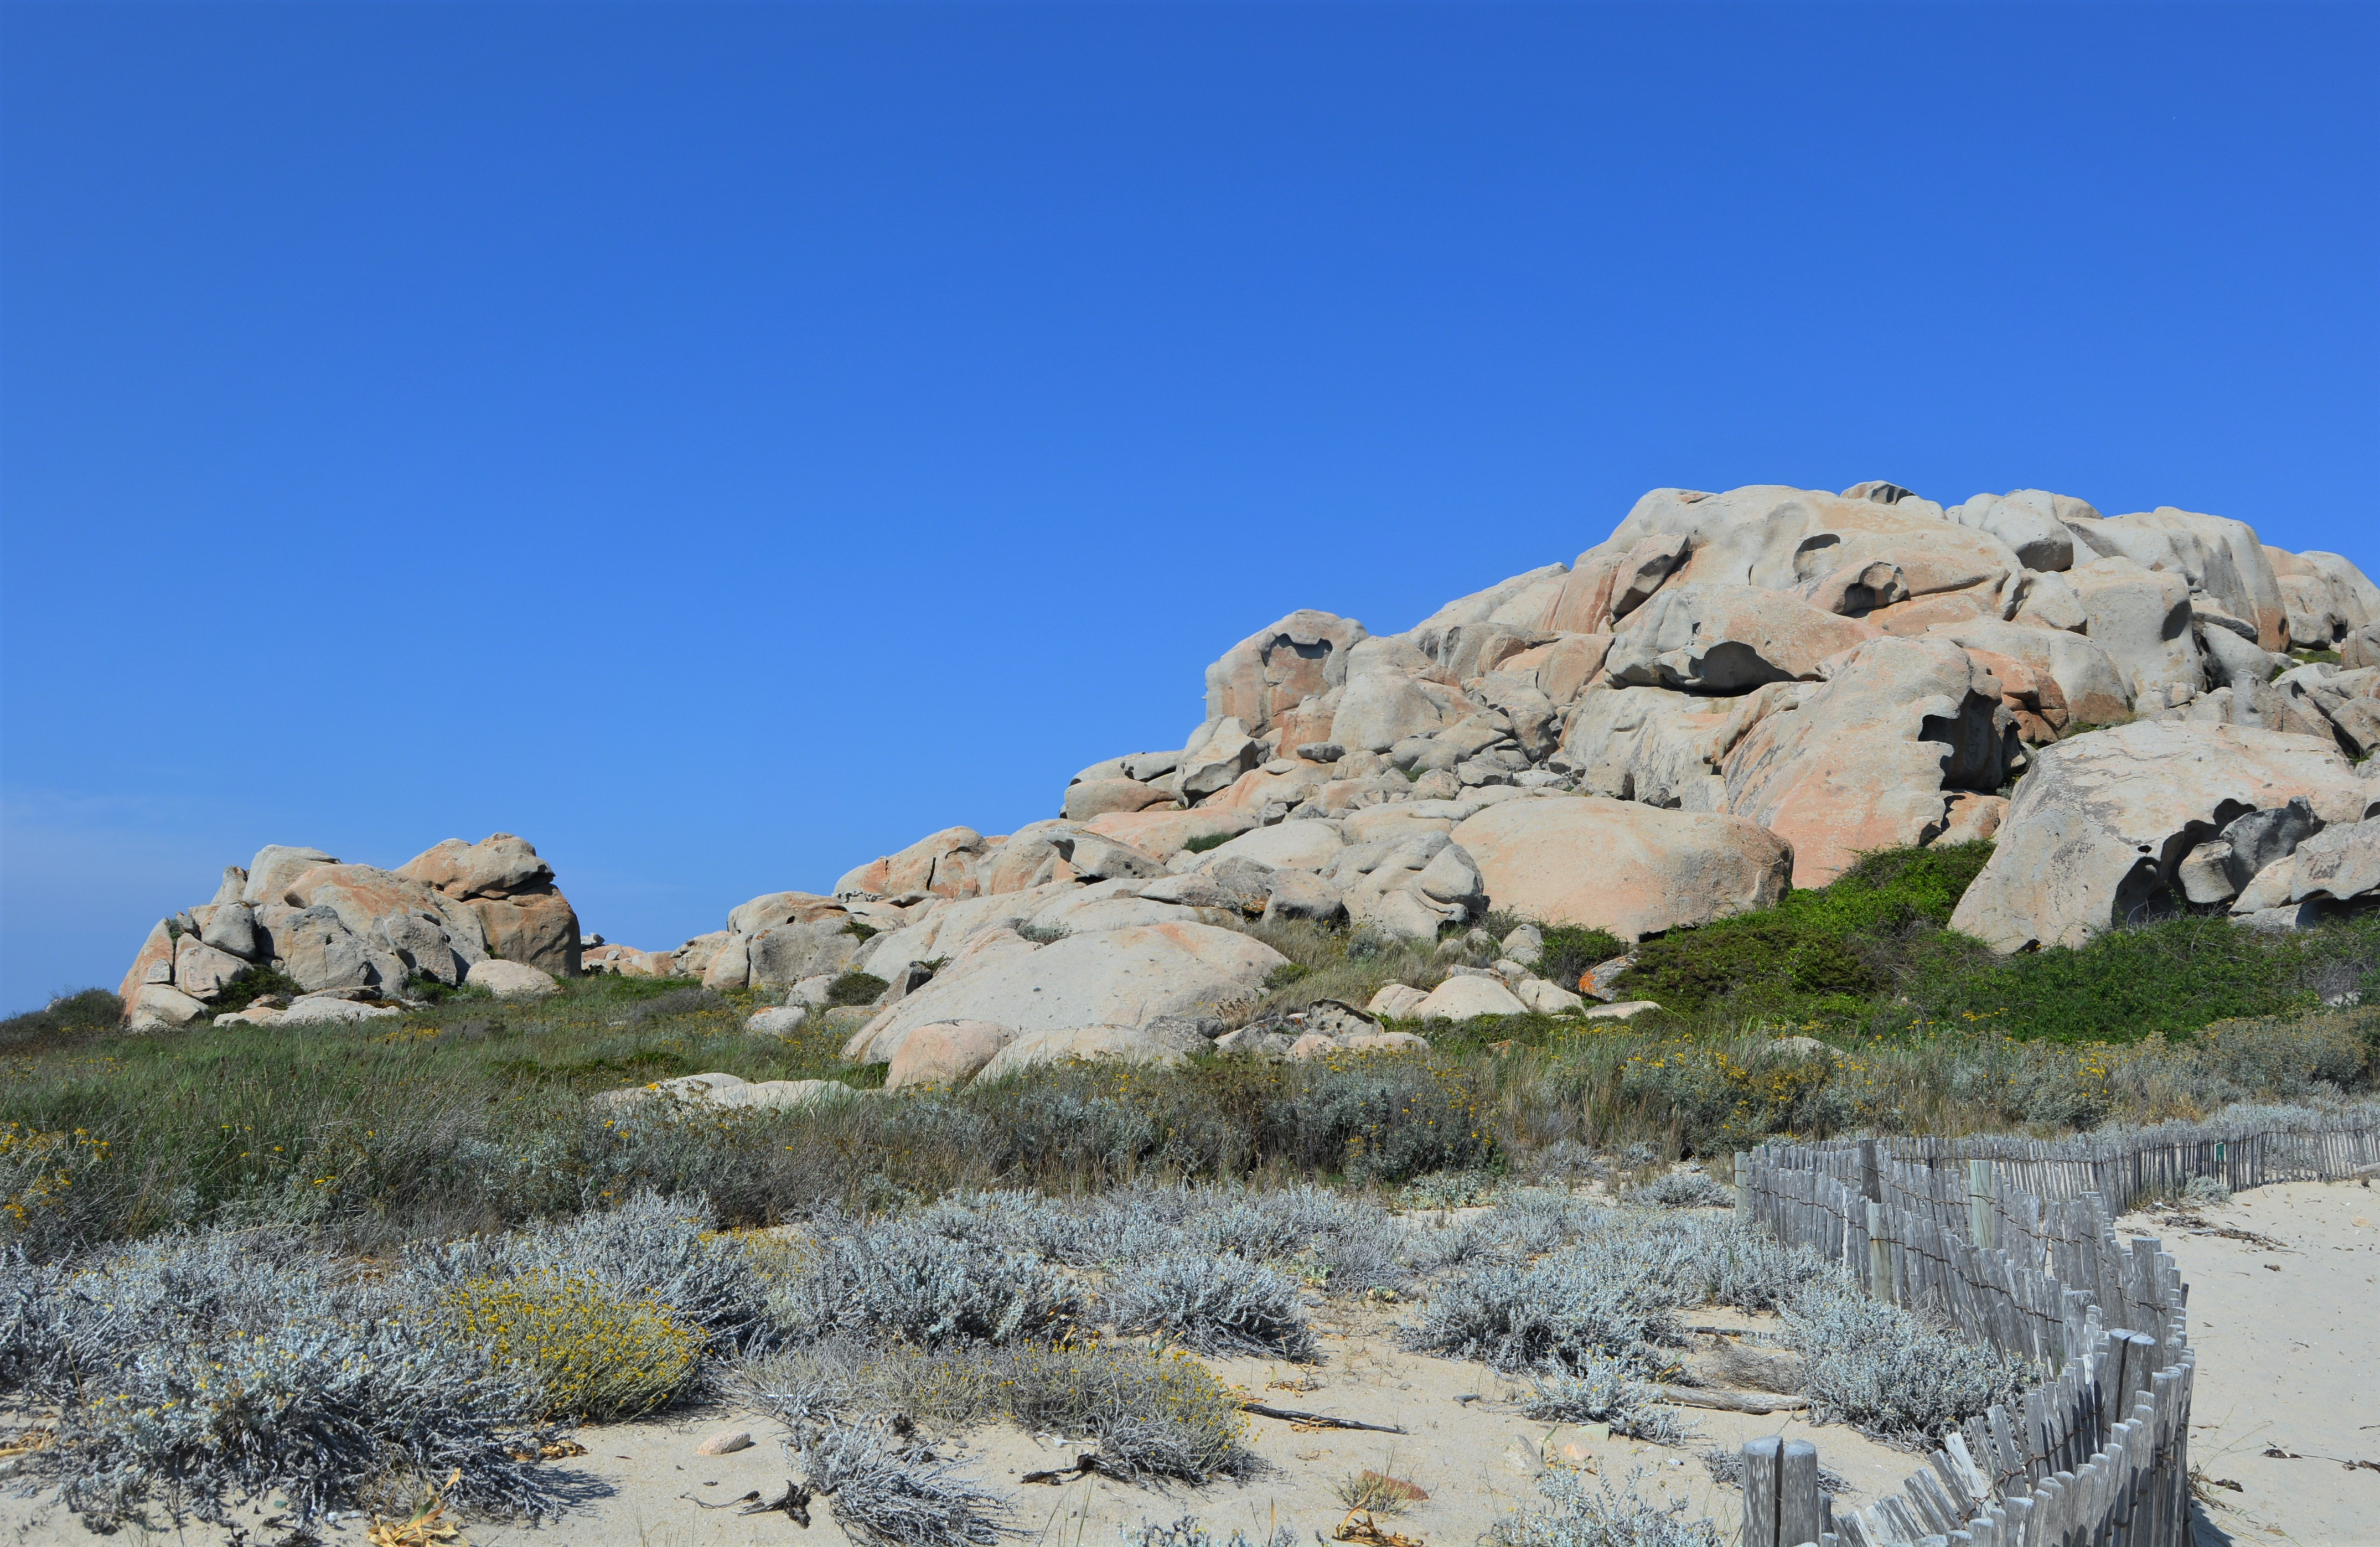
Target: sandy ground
(2287,1321)
(1477,1458)
(2287,1330)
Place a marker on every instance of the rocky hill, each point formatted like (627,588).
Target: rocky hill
(1733,695)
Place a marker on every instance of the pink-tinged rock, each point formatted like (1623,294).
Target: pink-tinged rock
(1968,816)
(2141,617)
(1727,638)
(772,908)
(538,928)
(1948,609)
(1863,761)
(161,1007)
(2097,831)
(497,866)
(2326,596)
(2074,680)
(1310,721)
(1380,709)
(1086,1044)
(1259,787)
(203,972)
(727,1441)
(946,863)
(947,1054)
(1274,669)
(2209,553)
(153,963)
(1782,539)
(1099,797)
(1617,865)
(275,867)
(1565,668)
(1857,590)
(1164,834)
(729,965)
(1118,977)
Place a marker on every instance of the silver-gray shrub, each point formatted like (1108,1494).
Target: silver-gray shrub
(1683,1190)
(1189,1532)
(1602,1516)
(1214,1305)
(1883,1370)
(897,1278)
(884,1492)
(1563,1310)
(192,1372)
(1596,1390)
(648,1246)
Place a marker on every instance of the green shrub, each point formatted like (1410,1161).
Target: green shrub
(1206,841)
(70,1018)
(258,981)
(1570,952)
(1840,944)
(856,988)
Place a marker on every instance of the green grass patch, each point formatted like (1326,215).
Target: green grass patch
(1204,842)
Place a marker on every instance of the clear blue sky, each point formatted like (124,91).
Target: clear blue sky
(724,444)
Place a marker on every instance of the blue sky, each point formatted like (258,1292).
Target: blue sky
(724,444)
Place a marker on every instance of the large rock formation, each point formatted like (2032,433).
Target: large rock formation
(337,928)
(2098,835)
(1734,692)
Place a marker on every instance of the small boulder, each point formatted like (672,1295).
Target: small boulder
(1618,865)
(1545,998)
(1088,1045)
(779,1021)
(1396,1002)
(511,979)
(727,1441)
(1461,998)
(1297,894)
(1626,1009)
(1094,798)
(948,1054)
(162,1007)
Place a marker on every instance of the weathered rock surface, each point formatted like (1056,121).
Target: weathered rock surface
(1617,865)
(512,980)
(2097,833)
(1862,761)
(1727,638)
(1125,976)
(946,1053)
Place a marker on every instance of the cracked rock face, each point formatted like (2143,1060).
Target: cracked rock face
(2097,832)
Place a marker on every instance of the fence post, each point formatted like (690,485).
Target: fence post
(1800,1516)
(1744,1190)
(1762,1459)
(1979,1204)
(1871,1177)
(1879,1257)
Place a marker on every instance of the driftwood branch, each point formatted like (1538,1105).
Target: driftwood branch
(1315,1421)
(1727,1401)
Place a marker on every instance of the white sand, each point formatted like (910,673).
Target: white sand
(2288,1357)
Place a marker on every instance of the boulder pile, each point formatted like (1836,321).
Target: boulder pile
(348,933)
(1735,694)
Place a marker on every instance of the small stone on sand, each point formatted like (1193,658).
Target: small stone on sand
(725,1443)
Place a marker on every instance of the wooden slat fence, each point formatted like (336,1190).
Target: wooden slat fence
(2013,1242)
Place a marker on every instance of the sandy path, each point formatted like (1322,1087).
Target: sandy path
(2288,1348)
